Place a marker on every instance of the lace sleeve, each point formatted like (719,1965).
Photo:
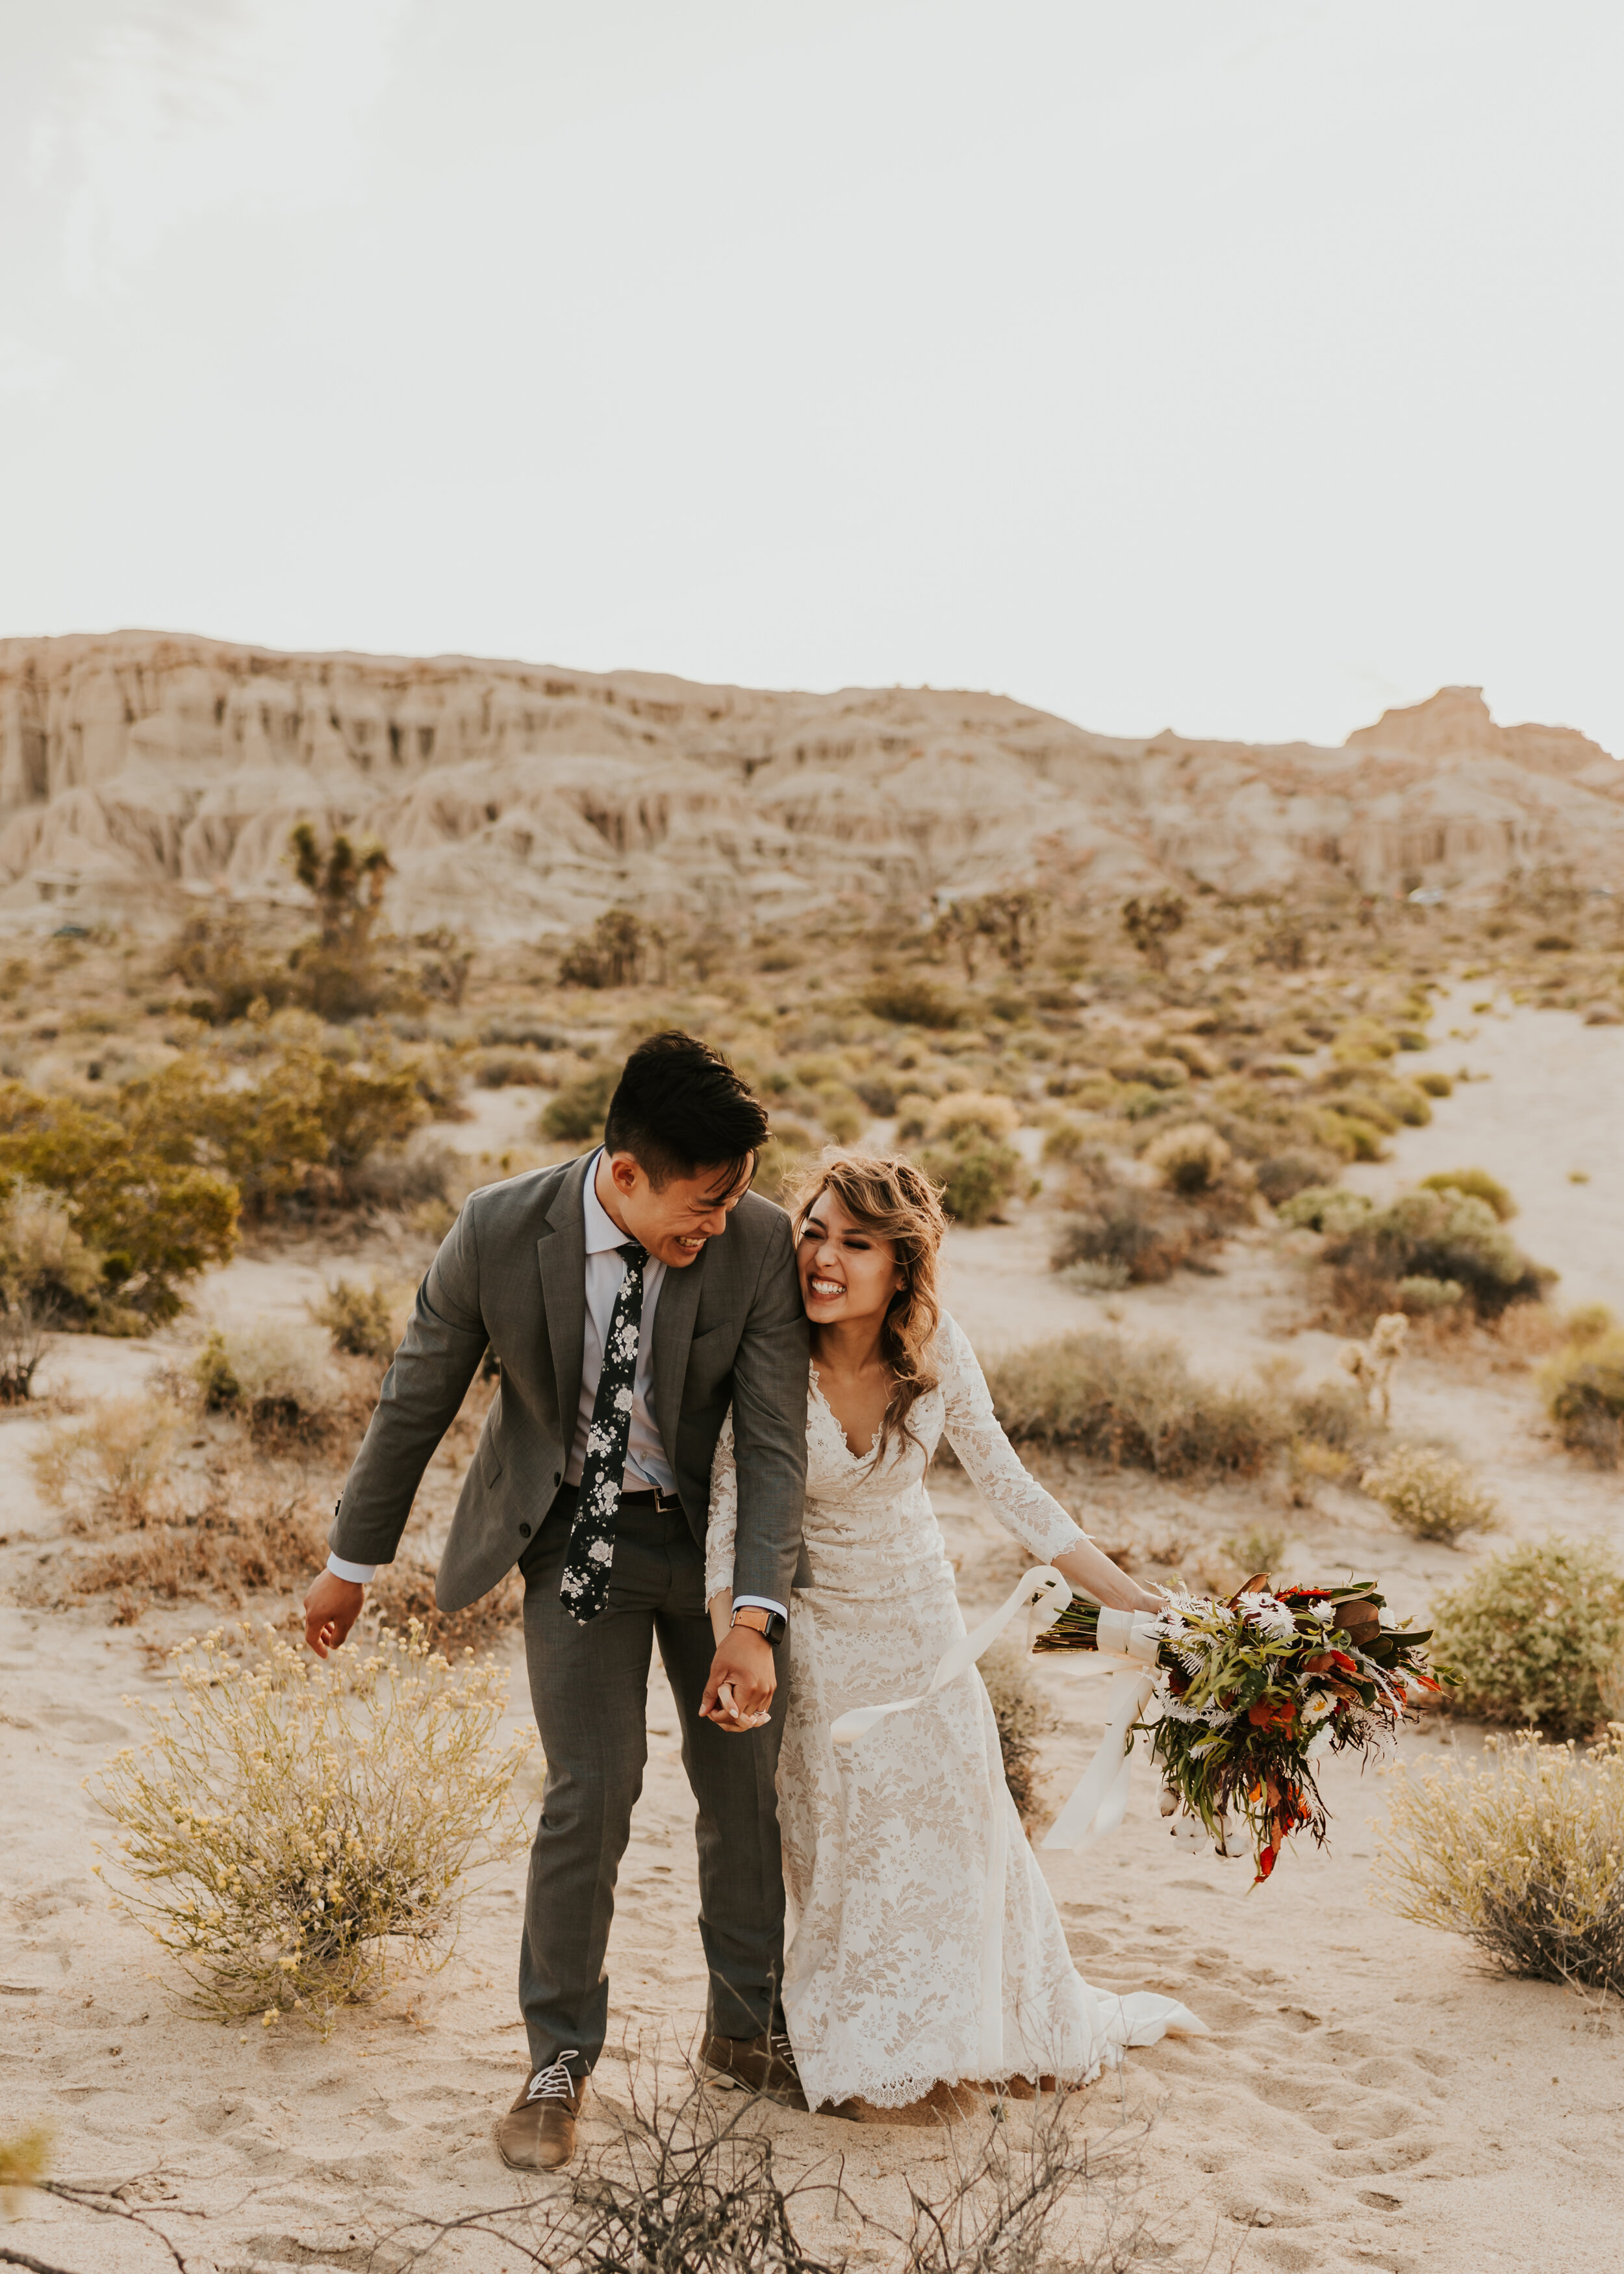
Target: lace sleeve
(1015,1496)
(722,1523)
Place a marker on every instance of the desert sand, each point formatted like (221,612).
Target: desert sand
(1369,2097)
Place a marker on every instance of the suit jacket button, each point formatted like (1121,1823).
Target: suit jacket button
(558,1477)
(525,1532)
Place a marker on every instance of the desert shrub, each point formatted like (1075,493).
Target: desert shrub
(977,1175)
(338,973)
(421,1176)
(154,1222)
(1349,1135)
(1534,1633)
(609,955)
(278,1376)
(110,1470)
(1191,1054)
(575,1114)
(24,2157)
(1126,1236)
(1364,1040)
(905,1001)
(1582,1386)
(1022,1717)
(1435,1082)
(1256,1552)
(212,956)
(914,1112)
(22,1350)
(1478,1184)
(1432,1235)
(218,1546)
(1520,1856)
(1430,1497)
(1325,1207)
(974,1112)
(288,1827)
(403,1595)
(1190,1160)
(1422,1298)
(1134,1406)
(1281,1176)
(45,1265)
(502,1069)
(879,1094)
(360,1319)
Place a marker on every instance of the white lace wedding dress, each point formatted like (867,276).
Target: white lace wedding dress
(924,1942)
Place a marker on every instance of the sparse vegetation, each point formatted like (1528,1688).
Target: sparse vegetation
(1190,1160)
(1533,1634)
(575,1114)
(289,1830)
(1431,1496)
(1477,1184)
(1520,1856)
(1427,1251)
(110,1471)
(1582,1385)
(279,1378)
(360,1319)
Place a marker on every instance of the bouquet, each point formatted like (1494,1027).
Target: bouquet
(1250,1687)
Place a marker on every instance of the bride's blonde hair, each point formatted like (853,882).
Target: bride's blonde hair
(894,1199)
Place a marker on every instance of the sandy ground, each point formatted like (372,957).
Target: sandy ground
(1368,2098)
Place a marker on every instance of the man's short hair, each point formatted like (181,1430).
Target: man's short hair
(679,1107)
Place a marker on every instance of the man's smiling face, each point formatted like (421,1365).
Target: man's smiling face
(676,1220)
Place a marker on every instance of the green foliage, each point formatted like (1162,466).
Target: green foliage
(1534,1634)
(279,1378)
(1435,1082)
(1520,1856)
(575,1115)
(1440,1235)
(1325,1207)
(337,972)
(361,1320)
(1583,1389)
(1478,1184)
(45,1268)
(1430,1497)
(211,954)
(977,1175)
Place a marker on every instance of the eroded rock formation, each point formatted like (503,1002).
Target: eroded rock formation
(516,798)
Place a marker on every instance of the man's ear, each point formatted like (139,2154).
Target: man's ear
(625,1173)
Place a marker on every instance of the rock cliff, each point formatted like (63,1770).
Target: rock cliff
(516,798)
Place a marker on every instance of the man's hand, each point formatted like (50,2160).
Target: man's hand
(744,1661)
(331,1608)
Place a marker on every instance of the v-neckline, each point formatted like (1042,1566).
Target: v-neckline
(851,1452)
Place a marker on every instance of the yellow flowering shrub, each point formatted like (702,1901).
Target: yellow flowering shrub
(1520,1856)
(291,1829)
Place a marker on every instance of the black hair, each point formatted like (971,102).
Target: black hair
(679,1107)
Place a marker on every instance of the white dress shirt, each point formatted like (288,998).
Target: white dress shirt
(647,1468)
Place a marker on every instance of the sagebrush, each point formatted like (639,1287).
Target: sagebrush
(289,1830)
(1431,1496)
(1534,1635)
(1520,1856)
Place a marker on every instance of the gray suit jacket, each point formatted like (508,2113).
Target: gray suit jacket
(511,1272)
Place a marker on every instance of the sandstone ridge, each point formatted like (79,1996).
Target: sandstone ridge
(516,798)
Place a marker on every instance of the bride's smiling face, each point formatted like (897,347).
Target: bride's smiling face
(847,1273)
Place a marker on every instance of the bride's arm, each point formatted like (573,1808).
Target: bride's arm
(721,1527)
(1014,1495)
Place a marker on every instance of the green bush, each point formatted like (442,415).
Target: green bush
(1534,1634)
(360,1319)
(575,1115)
(1325,1207)
(1430,1497)
(1478,1184)
(977,1175)
(1435,1082)
(1434,1235)
(46,1270)
(1582,1388)
(1281,1176)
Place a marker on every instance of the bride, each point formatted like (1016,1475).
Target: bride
(927,1953)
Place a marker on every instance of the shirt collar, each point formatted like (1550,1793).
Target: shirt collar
(602,1231)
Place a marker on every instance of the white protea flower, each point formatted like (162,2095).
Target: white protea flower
(1322,1611)
(1317,1704)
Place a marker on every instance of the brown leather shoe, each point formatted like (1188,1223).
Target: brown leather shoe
(538,2132)
(764,2065)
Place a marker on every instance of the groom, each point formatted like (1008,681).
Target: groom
(630,1297)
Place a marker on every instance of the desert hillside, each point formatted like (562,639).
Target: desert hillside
(518,799)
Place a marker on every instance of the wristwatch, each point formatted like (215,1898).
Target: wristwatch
(773,1626)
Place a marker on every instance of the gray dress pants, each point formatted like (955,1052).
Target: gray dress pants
(589,1686)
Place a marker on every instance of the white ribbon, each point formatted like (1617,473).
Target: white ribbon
(1099,1802)
(1042,1585)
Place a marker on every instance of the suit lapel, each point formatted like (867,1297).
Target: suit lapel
(674,1332)
(562,1253)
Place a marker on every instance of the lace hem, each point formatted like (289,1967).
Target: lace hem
(905,2092)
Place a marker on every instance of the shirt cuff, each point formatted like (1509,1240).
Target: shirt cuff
(360,1575)
(759,1603)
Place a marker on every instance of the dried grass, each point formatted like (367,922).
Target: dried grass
(110,1470)
(1135,1405)
(1520,1856)
(231,1542)
(291,1830)
(1431,1496)
(1022,1716)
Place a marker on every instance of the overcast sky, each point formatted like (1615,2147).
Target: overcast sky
(1242,367)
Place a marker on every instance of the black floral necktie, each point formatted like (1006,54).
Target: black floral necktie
(585,1584)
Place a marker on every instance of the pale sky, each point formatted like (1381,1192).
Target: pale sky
(1240,366)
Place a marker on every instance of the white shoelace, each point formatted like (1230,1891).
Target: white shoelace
(553,2083)
(781,2046)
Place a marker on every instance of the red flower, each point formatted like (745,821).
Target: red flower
(1272,1713)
